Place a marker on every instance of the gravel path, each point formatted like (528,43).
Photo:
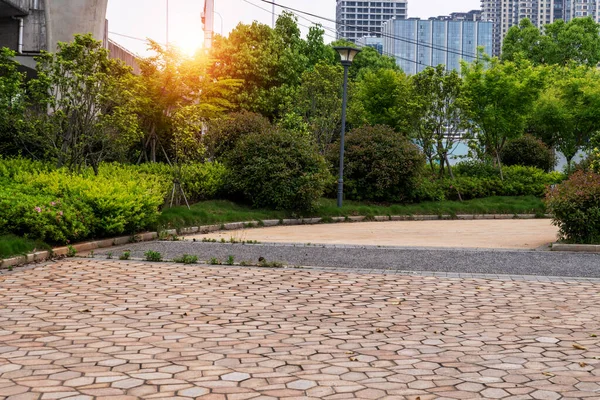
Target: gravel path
(505,262)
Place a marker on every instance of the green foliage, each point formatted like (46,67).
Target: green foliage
(438,114)
(562,43)
(152,255)
(13,103)
(223,133)
(125,256)
(12,245)
(57,206)
(85,107)
(186,259)
(575,207)
(230,260)
(566,113)
(501,96)
(528,151)
(480,180)
(379,97)
(380,165)
(319,102)
(279,170)
(71,251)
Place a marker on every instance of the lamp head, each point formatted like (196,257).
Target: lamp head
(347,54)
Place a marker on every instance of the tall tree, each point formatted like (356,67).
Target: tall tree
(85,108)
(567,111)
(501,97)
(319,101)
(175,95)
(561,43)
(440,111)
(13,103)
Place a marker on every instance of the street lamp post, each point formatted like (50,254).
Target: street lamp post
(347,55)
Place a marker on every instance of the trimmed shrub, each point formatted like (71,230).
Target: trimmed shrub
(223,133)
(476,169)
(379,165)
(575,207)
(528,151)
(483,182)
(278,170)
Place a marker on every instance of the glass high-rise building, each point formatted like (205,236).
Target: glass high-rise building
(417,44)
(356,19)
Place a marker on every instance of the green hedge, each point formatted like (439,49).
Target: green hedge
(484,181)
(39,202)
(575,206)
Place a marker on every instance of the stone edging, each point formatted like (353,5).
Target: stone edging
(579,248)
(148,236)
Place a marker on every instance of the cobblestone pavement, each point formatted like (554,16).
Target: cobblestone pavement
(87,329)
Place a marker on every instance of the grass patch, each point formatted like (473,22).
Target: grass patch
(12,245)
(218,212)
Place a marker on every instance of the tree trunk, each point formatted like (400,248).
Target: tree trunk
(452,176)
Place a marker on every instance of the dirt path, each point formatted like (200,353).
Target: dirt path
(500,234)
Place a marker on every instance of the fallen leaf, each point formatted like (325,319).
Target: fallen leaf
(352,358)
(547,374)
(379,330)
(84,310)
(593,335)
(538,317)
(579,347)
(582,364)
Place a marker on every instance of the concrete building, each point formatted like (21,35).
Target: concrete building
(417,43)
(506,13)
(355,19)
(30,26)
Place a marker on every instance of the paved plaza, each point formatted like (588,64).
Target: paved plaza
(90,329)
(497,234)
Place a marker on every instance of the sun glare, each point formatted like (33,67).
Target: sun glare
(190,45)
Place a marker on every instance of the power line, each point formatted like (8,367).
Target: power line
(365,29)
(317,24)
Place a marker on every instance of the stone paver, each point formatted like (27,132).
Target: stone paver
(85,329)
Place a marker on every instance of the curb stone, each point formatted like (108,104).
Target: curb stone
(579,248)
(149,236)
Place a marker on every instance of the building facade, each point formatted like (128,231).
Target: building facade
(506,13)
(31,26)
(371,41)
(417,44)
(355,19)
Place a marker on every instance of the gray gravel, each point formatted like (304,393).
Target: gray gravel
(367,258)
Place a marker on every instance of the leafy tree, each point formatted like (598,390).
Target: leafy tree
(319,102)
(440,105)
(367,59)
(174,97)
(501,98)
(567,111)
(86,113)
(528,151)
(380,98)
(13,102)
(269,61)
(561,43)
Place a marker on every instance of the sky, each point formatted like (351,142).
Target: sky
(143,19)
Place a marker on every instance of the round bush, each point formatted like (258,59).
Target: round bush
(380,165)
(223,133)
(279,170)
(528,151)
(575,207)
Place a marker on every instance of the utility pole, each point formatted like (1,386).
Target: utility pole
(167,24)
(273,15)
(208,19)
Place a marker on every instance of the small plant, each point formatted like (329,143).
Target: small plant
(135,239)
(125,256)
(270,264)
(109,256)
(91,255)
(186,259)
(244,263)
(154,256)
(214,261)
(71,252)
(223,240)
(230,260)
(10,268)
